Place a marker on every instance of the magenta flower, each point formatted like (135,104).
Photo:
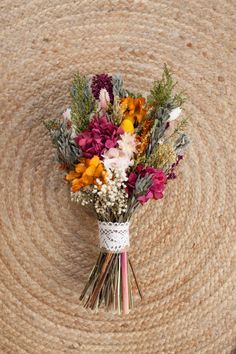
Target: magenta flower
(102,81)
(130,184)
(154,191)
(100,135)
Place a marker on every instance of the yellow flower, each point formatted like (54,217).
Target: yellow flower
(128,126)
(133,111)
(86,172)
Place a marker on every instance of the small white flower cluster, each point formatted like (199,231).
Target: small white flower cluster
(111,197)
(84,196)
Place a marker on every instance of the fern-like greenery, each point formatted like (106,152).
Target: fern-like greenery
(162,92)
(83,102)
(179,129)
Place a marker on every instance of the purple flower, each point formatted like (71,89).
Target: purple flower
(102,81)
(172,174)
(100,135)
(156,189)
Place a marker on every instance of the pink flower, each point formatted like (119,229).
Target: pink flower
(67,114)
(131,182)
(120,158)
(155,190)
(104,100)
(100,136)
(117,160)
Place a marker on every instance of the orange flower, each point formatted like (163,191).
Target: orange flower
(86,172)
(132,108)
(143,137)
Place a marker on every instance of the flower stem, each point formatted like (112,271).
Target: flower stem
(125,289)
(101,279)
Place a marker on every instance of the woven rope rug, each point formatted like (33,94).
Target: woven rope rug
(182,246)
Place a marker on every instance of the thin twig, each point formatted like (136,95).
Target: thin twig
(101,279)
(136,281)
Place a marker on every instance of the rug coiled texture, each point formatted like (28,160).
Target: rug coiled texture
(183,246)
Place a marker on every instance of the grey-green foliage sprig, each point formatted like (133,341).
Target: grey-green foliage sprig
(83,102)
(119,90)
(68,153)
(181,143)
(179,130)
(158,128)
(118,86)
(142,186)
(163,101)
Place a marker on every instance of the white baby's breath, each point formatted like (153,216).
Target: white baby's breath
(111,197)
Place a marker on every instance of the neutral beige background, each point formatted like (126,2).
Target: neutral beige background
(182,246)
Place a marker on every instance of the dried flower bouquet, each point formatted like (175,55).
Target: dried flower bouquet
(118,149)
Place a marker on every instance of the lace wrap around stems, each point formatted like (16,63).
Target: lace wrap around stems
(114,236)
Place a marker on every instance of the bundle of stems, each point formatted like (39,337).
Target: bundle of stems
(109,283)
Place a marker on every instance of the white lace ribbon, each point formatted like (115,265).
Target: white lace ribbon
(114,236)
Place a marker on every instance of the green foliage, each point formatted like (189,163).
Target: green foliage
(181,143)
(162,157)
(68,152)
(83,102)
(118,86)
(178,138)
(51,125)
(114,112)
(142,185)
(162,101)
(162,92)
(179,129)
(158,128)
(119,90)
(179,99)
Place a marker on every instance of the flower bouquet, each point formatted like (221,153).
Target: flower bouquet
(118,150)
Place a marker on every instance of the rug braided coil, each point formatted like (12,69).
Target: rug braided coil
(183,246)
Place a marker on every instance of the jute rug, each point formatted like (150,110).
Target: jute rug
(183,246)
